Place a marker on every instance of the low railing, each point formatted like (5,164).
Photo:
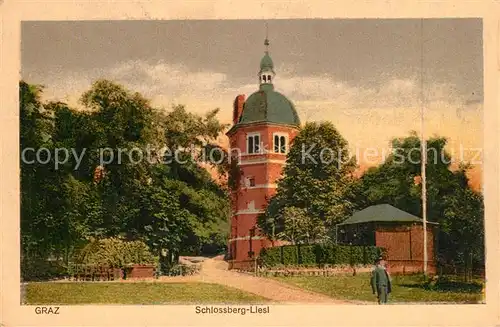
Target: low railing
(254,266)
(314,271)
(80,272)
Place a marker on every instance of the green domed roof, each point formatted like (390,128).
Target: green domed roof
(266,62)
(267,105)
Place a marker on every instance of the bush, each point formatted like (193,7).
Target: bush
(357,255)
(371,253)
(137,252)
(319,254)
(115,253)
(183,270)
(42,269)
(290,255)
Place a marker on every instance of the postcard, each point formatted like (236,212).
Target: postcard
(283,163)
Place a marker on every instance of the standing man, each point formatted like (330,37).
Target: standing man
(380,281)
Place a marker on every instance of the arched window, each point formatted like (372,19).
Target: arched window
(253,143)
(280,143)
(264,78)
(269,78)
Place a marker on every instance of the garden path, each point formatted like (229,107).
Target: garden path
(215,270)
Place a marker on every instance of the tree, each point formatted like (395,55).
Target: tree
(123,125)
(300,227)
(462,226)
(316,179)
(173,206)
(193,149)
(192,138)
(37,239)
(167,221)
(450,200)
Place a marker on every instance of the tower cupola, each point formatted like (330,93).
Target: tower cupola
(266,73)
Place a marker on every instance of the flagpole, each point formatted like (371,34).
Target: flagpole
(423,146)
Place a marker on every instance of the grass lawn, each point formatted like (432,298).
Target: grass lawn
(135,293)
(409,288)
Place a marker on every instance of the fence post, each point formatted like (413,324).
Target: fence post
(255,267)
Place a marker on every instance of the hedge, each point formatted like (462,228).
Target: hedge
(271,256)
(289,254)
(307,256)
(319,255)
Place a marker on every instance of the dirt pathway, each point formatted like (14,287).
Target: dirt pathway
(215,271)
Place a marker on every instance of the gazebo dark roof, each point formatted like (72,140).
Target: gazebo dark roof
(381,213)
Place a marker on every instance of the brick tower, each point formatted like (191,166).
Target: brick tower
(263,127)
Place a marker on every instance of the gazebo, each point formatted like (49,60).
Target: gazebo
(398,232)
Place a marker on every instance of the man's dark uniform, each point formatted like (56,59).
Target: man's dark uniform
(380,282)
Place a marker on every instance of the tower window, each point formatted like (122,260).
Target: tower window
(269,78)
(280,143)
(264,78)
(253,143)
(250,181)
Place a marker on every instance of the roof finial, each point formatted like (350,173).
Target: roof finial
(266,42)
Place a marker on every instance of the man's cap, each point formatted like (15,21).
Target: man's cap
(379,258)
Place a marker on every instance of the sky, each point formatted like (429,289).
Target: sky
(367,76)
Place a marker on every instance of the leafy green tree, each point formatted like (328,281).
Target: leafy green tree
(450,200)
(300,227)
(192,141)
(462,225)
(316,179)
(123,124)
(173,206)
